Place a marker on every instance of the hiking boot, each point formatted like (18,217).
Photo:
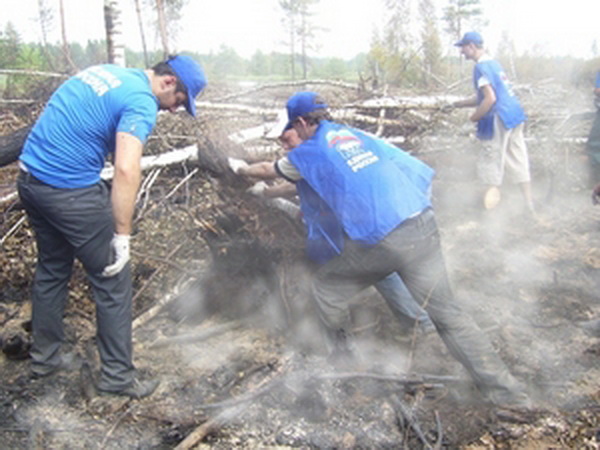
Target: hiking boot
(342,356)
(138,389)
(68,362)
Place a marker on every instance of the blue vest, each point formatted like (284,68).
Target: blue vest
(367,185)
(69,143)
(324,234)
(507,106)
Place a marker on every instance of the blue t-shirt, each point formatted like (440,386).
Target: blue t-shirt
(68,145)
(369,186)
(507,106)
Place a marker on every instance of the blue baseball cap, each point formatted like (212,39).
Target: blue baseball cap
(470,37)
(300,104)
(191,75)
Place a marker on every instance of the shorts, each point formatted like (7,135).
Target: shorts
(504,154)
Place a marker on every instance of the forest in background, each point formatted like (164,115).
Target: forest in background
(406,51)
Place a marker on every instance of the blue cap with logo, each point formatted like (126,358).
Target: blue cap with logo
(191,75)
(470,37)
(300,104)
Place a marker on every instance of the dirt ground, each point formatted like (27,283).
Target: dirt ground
(248,382)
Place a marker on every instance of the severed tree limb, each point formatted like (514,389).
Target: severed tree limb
(114,427)
(32,72)
(151,277)
(234,407)
(14,228)
(189,153)
(169,195)
(152,312)
(195,337)
(179,267)
(440,432)
(417,379)
(211,425)
(408,415)
(302,83)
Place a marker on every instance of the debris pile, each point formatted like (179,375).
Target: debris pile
(224,317)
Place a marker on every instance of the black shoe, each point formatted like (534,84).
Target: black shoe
(342,356)
(68,362)
(138,389)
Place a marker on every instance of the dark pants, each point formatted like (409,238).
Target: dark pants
(413,251)
(68,224)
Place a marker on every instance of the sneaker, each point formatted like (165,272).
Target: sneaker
(68,362)
(491,198)
(138,389)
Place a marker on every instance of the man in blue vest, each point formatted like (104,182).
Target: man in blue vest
(379,221)
(102,110)
(391,288)
(500,121)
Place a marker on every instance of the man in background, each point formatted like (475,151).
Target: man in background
(500,122)
(102,110)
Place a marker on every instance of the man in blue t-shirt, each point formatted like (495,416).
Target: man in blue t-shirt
(381,223)
(102,110)
(500,121)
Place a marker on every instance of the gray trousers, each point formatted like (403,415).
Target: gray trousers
(399,299)
(69,224)
(413,251)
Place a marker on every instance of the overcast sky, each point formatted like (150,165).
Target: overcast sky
(553,28)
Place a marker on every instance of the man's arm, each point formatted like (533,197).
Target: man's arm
(489,98)
(284,189)
(126,181)
(263,170)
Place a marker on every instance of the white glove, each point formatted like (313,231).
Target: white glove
(258,189)
(120,247)
(236,164)
(288,207)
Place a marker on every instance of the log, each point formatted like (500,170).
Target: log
(213,424)
(148,162)
(11,145)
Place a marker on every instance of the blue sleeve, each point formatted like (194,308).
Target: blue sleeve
(598,79)
(139,116)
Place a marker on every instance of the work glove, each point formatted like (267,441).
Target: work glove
(237,164)
(288,207)
(596,195)
(120,248)
(258,189)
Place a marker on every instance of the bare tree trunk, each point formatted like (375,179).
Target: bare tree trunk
(293,49)
(65,44)
(143,36)
(303,46)
(162,25)
(45,20)
(114,36)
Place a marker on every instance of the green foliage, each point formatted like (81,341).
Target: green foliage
(462,15)
(422,67)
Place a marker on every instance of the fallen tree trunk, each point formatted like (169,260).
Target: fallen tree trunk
(11,145)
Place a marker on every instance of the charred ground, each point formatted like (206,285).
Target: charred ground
(234,343)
